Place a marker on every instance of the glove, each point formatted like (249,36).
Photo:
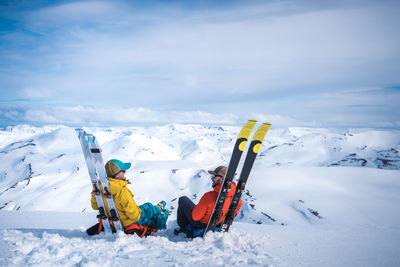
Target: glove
(161,205)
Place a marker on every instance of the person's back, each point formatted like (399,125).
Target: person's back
(204,209)
(129,212)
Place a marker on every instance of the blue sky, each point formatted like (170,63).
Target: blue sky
(294,63)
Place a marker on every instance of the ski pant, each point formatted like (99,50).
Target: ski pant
(184,214)
(153,216)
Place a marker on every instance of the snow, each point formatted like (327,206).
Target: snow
(315,197)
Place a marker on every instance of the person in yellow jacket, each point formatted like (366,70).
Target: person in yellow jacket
(129,212)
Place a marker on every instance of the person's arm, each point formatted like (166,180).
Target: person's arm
(93,202)
(200,209)
(129,206)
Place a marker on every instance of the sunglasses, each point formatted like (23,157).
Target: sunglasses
(216,176)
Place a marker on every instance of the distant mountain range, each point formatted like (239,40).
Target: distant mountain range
(42,168)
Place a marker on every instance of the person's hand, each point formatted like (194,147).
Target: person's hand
(161,205)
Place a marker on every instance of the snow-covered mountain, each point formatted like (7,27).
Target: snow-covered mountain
(309,190)
(38,164)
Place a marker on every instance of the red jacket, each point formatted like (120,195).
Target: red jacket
(203,210)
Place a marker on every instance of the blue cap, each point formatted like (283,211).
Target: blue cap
(114,166)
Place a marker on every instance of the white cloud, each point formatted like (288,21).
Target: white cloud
(373,108)
(280,121)
(263,56)
(78,115)
(194,55)
(36,93)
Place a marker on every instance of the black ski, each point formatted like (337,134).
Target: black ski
(230,173)
(244,175)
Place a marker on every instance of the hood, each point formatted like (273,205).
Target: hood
(230,192)
(116,185)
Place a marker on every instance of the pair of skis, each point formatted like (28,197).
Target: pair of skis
(238,149)
(98,177)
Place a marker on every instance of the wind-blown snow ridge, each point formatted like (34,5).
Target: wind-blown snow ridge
(59,248)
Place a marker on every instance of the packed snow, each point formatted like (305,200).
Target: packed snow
(315,197)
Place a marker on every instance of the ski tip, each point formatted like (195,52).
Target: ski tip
(266,126)
(80,132)
(247,128)
(261,132)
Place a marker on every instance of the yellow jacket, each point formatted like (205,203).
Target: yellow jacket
(126,206)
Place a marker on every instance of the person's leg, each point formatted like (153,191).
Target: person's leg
(94,230)
(184,213)
(149,212)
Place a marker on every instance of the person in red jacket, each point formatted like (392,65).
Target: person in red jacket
(192,216)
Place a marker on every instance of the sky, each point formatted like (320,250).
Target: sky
(292,63)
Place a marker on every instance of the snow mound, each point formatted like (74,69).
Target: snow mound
(75,248)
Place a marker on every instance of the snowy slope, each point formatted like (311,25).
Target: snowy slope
(38,164)
(357,225)
(316,197)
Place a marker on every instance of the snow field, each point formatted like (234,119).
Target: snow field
(74,248)
(315,197)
